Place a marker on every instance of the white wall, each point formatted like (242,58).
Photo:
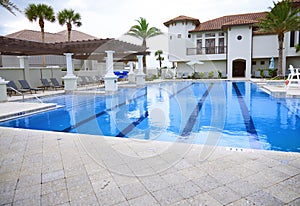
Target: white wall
(35,75)
(239,49)
(206,67)
(177,46)
(265,46)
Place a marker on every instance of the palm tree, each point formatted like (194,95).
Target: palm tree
(69,17)
(159,58)
(9,6)
(40,12)
(143,32)
(282,18)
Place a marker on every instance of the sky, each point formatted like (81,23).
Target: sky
(113,18)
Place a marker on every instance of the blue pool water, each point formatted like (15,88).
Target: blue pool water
(231,114)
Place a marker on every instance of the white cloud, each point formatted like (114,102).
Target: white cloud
(113,18)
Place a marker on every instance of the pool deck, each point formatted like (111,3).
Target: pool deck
(50,168)
(278,90)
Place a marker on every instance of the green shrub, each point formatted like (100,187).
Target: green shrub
(201,74)
(210,74)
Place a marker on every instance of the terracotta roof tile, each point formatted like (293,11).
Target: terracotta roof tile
(231,20)
(31,35)
(182,18)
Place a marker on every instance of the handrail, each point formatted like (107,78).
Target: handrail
(37,98)
(206,50)
(17,92)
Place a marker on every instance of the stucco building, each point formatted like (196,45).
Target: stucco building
(231,44)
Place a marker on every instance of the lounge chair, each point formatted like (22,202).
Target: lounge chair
(196,75)
(83,81)
(55,83)
(99,79)
(185,75)
(46,84)
(12,88)
(25,85)
(90,80)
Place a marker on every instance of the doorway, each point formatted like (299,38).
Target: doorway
(239,68)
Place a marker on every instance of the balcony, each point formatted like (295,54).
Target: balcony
(206,50)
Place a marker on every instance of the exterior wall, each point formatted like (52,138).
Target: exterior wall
(265,46)
(208,66)
(239,49)
(293,61)
(35,74)
(262,63)
(177,46)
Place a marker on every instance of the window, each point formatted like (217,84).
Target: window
(292,39)
(253,62)
(170,37)
(210,35)
(221,48)
(199,46)
(199,35)
(210,46)
(178,36)
(221,34)
(189,35)
(262,62)
(239,37)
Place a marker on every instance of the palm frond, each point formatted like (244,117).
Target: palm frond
(142,30)
(9,6)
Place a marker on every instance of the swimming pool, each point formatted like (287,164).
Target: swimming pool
(224,113)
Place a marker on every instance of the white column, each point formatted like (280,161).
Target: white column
(24,63)
(70,80)
(3,95)
(140,76)
(131,74)
(110,78)
(140,64)
(69,65)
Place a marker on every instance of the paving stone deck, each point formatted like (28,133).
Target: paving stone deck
(48,168)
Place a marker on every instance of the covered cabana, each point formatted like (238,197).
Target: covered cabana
(102,50)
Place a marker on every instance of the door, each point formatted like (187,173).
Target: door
(239,68)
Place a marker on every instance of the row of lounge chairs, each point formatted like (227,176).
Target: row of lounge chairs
(54,84)
(25,86)
(88,80)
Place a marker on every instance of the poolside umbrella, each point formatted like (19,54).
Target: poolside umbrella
(271,63)
(194,62)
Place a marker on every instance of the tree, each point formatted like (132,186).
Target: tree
(40,12)
(282,18)
(143,32)
(297,47)
(9,6)
(159,58)
(69,17)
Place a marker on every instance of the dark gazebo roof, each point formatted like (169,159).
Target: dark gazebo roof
(85,49)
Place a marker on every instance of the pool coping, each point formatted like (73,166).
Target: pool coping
(12,110)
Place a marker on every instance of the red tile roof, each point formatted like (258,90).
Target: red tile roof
(231,20)
(31,35)
(182,18)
